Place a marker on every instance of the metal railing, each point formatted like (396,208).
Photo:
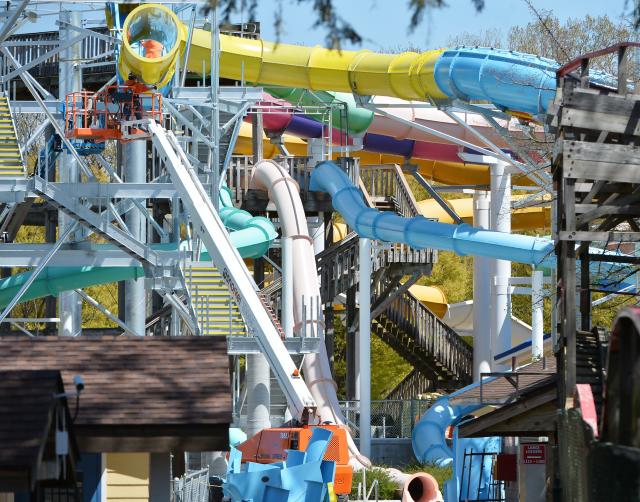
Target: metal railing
(386,181)
(430,334)
(390,419)
(241,166)
(411,386)
(192,487)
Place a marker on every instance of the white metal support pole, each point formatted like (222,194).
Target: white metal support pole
(501,222)
(214,164)
(363,375)
(287,286)
(537,303)
(135,171)
(258,394)
(70,80)
(481,293)
(258,372)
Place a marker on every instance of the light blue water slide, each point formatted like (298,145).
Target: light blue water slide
(419,232)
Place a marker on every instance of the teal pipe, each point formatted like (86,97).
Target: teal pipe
(251,235)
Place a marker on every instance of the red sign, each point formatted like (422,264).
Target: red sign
(534,453)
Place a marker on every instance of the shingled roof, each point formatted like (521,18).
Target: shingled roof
(27,417)
(141,393)
(508,386)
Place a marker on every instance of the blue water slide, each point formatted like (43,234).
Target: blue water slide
(508,79)
(433,444)
(419,232)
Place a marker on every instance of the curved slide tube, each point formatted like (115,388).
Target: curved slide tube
(519,82)
(285,193)
(431,446)
(251,235)
(419,232)
(307,127)
(449,173)
(348,116)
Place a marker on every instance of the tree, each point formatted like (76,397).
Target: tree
(546,36)
(337,28)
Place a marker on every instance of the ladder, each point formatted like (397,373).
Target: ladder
(11,161)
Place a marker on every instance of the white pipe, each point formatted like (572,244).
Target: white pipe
(287,286)
(501,222)
(481,292)
(537,298)
(135,171)
(70,80)
(258,394)
(363,375)
(284,192)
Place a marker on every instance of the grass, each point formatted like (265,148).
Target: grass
(387,489)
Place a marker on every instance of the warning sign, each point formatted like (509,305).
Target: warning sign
(534,453)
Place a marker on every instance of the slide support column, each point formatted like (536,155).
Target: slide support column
(500,222)
(70,80)
(481,293)
(135,171)
(258,372)
(537,323)
(363,374)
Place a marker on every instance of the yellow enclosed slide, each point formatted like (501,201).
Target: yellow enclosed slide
(408,75)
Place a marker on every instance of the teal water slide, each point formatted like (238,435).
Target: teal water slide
(251,235)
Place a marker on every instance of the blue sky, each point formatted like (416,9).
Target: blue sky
(383,23)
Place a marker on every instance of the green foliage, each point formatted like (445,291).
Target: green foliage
(454,275)
(387,367)
(387,489)
(441,474)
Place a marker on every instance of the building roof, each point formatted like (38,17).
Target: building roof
(137,389)
(532,414)
(27,413)
(506,387)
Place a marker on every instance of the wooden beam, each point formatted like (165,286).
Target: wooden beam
(529,415)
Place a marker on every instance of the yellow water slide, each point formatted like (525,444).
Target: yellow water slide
(408,75)
(525,218)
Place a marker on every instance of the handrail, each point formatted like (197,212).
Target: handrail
(576,63)
(431,334)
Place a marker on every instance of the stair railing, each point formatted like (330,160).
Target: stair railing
(430,334)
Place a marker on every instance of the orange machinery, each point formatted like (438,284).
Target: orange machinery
(271,445)
(103,115)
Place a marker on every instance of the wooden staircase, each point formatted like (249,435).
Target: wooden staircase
(590,363)
(427,343)
(11,162)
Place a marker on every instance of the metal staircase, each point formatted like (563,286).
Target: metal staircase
(11,161)
(215,309)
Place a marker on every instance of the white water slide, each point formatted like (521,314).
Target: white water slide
(284,192)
